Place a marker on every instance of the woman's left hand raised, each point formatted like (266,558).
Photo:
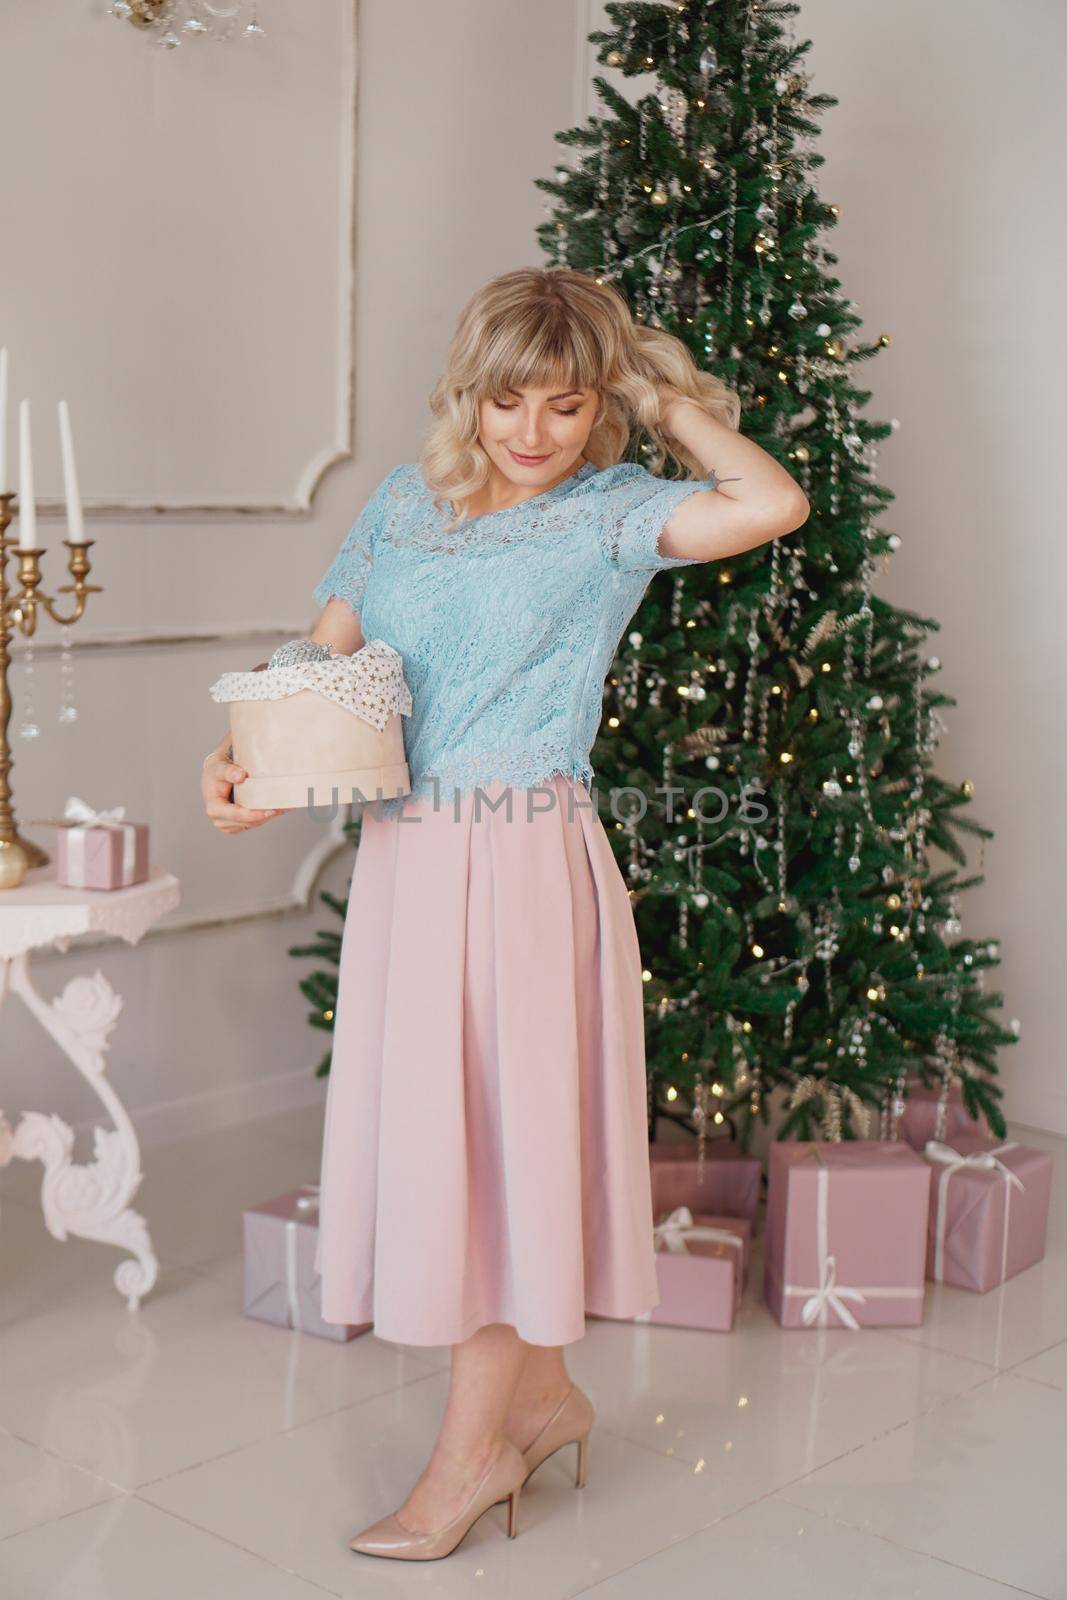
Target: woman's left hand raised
(673,405)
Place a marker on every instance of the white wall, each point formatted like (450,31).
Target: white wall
(457,106)
(946,154)
(943,154)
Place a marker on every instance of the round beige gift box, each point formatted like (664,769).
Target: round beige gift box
(320,733)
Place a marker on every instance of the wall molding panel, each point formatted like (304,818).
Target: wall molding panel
(205,342)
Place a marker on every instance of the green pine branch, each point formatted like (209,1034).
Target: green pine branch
(815,944)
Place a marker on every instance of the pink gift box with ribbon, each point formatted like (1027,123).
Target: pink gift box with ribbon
(102,858)
(98,849)
(846,1233)
(928,1114)
(700,1269)
(280,1281)
(726,1183)
(989,1203)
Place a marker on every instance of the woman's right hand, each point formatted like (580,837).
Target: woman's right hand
(669,398)
(216,785)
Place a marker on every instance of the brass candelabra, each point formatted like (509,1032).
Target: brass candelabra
(18,609)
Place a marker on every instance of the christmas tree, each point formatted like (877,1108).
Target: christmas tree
(796,933)
(319,987)
(804,939)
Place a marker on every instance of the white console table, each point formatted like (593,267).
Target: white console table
(90,1201)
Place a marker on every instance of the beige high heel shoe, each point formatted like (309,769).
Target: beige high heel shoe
(503,1479)
(569,1424)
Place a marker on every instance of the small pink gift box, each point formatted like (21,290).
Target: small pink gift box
(280,1281)
(923,1112)
(726,1184)
(102,858)
(700,1270)
(989,1203)
(846,1233)
(98,849)
(701,1264)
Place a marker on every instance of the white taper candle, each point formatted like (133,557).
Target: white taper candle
(27,504)
(75,521)
(3,421)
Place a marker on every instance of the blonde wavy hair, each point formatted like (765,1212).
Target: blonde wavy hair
(537,326)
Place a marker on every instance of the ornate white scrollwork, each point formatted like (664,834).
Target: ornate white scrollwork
(90,1200)
(89,1009)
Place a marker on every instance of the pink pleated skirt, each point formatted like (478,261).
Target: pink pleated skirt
(485,1154)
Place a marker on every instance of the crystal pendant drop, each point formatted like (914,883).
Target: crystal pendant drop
(121,9)
(28,727)
(193,25)
(254,31)
(169,40)
(709,61)
(68,711)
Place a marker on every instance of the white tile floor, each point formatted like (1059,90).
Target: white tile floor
(187,1453)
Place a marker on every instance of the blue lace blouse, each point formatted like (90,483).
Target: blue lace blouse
(509,623)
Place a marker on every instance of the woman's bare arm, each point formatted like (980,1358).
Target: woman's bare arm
(757,501)
(339,627)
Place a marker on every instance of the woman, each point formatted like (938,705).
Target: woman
(485,1177)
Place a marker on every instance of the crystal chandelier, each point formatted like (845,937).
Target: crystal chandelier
(174,21)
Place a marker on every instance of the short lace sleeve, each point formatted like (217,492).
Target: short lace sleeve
(636,506)
(346,576)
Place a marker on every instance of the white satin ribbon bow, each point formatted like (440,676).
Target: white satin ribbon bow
(83,816)
(673,1232)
